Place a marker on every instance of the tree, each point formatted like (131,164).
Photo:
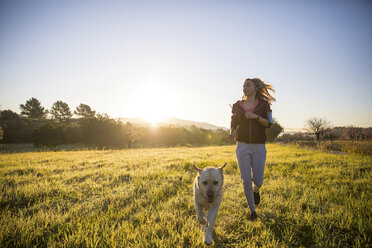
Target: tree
(316,126)
(13,127)
(61,111)
(103,131)
(286,137)
(330,134)
(273,131)
(49,135)
(130,133)
(84,111)
(353,133)
(33,109)
(367,133)
(8,115)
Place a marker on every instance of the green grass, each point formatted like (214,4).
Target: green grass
(338,146)
(143,198)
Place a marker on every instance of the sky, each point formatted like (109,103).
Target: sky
(189,59)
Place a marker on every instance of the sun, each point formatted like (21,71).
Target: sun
(154,118)
(152,103)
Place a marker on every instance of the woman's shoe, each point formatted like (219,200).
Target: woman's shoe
(257,198)
(253,216)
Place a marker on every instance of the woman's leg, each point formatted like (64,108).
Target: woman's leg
(244,157)
(258,165)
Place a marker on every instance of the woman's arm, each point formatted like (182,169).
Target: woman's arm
(261,120)
(237,115)
(231,135)
(267,122)
(232,131)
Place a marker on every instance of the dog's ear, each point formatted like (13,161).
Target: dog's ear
(221,168)
(198,169)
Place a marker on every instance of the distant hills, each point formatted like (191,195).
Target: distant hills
(173,122)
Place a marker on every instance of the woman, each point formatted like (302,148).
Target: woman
(251,116)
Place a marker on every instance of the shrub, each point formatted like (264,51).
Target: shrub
(104,132)
(49,135)
(273,131)
(357,147)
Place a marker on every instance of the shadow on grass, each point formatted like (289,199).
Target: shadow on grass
(217,242)
(293,233)
(301,234)
(23,148)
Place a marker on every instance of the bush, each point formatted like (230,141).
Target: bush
(49,135)
(295,137)
(273,131)
(103,131)
(329,145)
(357,147)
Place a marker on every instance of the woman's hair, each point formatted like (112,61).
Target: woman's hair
(262,90)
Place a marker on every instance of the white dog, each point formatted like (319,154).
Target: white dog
(208,196)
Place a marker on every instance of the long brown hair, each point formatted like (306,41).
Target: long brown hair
(262,90)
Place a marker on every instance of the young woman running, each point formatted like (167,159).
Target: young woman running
(250,118)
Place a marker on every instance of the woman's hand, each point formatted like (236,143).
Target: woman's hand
(250,115)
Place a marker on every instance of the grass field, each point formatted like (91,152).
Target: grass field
(143,198)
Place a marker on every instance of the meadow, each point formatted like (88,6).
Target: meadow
(338,146)
(143,198)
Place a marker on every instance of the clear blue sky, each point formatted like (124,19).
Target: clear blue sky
(188,59)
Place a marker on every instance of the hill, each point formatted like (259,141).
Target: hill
(172,121)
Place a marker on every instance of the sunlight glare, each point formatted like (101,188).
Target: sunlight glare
(153,104)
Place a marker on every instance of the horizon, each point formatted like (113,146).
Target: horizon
(188,60)
(166,120)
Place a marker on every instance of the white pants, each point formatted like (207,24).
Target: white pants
(251,160)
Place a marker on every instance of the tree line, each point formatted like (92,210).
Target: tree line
(52,128)
(321,130)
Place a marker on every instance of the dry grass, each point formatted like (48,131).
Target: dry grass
(143,198)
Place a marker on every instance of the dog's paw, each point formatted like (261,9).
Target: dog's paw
(208,240)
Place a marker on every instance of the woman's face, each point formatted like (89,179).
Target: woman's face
(249,88)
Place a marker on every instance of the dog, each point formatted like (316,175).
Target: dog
(208,196)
